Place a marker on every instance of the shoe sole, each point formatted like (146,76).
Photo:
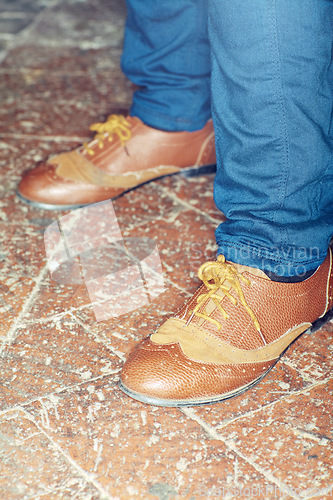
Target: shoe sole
(185,172)
(222,397)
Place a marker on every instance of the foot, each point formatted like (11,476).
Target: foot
(227,337)
(124,154)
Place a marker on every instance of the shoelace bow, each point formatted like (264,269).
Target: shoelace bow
(214,275)
(114,125)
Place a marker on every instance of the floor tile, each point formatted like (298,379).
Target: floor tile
(312,356)
(194,191)
(126,331)
(22,6)
(13,25)
(280,382)
(39,468)
(184,237)
(59,59)
(48,357)
(22,260)
(92,23)
(138,450)
(50,102)
(291,439)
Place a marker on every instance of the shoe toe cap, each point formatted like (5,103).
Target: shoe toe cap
(41,184)
(164,375)
(150,371)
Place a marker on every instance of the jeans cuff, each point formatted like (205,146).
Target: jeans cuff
(284,261)
(166,122)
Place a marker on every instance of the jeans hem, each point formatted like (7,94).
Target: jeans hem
(268,260)
(165,122)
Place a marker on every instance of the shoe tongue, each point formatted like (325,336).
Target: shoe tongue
(251,270)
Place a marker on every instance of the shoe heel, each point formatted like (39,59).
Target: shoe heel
(196,171)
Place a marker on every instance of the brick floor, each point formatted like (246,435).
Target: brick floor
(66,431)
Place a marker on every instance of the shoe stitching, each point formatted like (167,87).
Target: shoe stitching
(235,371)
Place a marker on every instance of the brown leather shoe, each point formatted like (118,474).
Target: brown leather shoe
(226,339)
(124,154)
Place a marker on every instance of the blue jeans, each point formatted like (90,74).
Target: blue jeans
(268,65)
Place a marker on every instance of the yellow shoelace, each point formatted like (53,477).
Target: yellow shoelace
(214,275)
(114,125)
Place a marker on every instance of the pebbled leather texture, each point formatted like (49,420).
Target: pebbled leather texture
(166,368)
(78,178)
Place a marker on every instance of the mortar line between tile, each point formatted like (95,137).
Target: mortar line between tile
(55,71)
(26,306)
(104,341)
(175,198)
(273,403)
(300,371)
(36,18)
(213,434)
(46,138)
(73,310)
(86,476)
(15,15)
(19,37)
(56,392)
